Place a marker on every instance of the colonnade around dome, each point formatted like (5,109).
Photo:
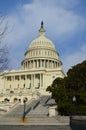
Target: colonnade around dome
(41,63)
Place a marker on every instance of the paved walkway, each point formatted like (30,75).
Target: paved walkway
(31,121)
(7,123)
(34,127)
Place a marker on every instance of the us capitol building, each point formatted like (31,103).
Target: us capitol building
(39,68)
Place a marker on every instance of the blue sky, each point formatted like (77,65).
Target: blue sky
(64,21)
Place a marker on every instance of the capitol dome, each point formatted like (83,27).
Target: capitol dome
(41,50)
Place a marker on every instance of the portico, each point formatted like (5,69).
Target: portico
(23,82)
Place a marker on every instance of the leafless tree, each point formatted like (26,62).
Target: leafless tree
(3,46)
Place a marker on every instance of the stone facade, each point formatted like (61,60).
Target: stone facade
(39,68)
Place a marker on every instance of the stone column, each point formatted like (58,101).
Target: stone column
(40,80)
(19,83)
(28,64)
(33,63)
(37,63)
(4,88)
(25,82)
(41,63)
(31,81)
(50,64)
(45,63)
(13,83)
(56,64)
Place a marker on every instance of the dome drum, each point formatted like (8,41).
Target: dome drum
(41,52)
(41,64)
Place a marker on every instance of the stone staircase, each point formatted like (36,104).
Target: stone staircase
(41,109)
(36,108)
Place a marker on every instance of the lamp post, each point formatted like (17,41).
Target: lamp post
(24,101)
(74,101)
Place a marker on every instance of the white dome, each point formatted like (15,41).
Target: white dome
(42,42)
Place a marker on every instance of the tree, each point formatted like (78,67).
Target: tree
(3,47)
(63,90)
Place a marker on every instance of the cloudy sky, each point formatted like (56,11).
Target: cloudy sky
(64,21)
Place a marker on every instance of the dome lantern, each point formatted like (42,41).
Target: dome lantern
(42,30)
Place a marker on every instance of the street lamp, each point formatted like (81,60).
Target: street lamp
(74,101)
(24,101)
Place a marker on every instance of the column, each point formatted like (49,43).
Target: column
(53,65)
(40,80)
(12,83)
(25,82)
(19,83)
(41,63)
(37,63)
(31,81)
(33,63)
(44,64)
(4,89)
(25,65)
(50,64)
(56,64)
(28,64)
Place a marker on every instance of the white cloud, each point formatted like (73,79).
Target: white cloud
(74,58)
(62,3)
(58,21)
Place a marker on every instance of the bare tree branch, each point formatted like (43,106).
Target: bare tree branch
(3,47)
